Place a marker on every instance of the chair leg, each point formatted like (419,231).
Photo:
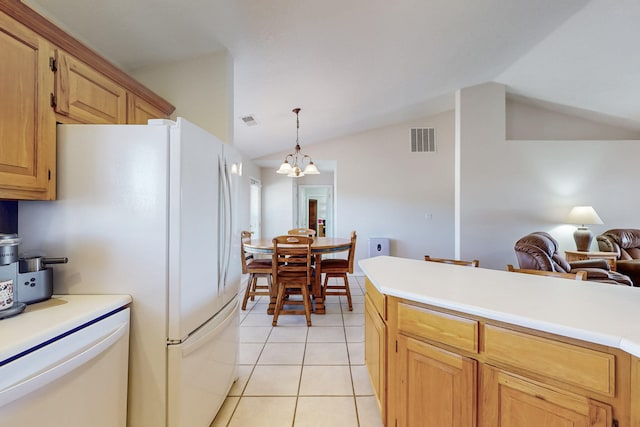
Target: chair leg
(324,288)
(254,284)
(348,290)
(279,305)
(247,292)
(307,304)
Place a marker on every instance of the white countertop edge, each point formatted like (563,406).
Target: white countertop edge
(48,319)
(604,336)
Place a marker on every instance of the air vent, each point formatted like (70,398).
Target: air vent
(249,120)
(423,140)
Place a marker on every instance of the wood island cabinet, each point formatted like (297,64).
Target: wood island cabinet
(511,400)
(375,354)
(447,368)
(436,387)
(28,128)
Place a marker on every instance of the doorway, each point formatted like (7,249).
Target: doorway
(315,208)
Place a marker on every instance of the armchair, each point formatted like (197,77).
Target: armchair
(625,242)
(539,251)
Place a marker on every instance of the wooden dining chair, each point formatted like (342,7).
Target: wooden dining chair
(339,268)
(474,263)
(256,268)
(580,275)
(292,274)
(310,232)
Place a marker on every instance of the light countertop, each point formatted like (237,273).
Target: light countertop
(589,311)
(45,320)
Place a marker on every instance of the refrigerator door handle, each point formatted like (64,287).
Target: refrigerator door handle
(224,224)
(228,222)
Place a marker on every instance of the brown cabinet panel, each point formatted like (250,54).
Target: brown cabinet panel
(436,387)
(140,111)
(509,400)
(375,353)
(583,367)
(445,328)
(86,95)
(27,130)
(378,300)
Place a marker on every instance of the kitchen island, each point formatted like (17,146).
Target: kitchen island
(451,345)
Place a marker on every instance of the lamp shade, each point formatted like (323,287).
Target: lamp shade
(583,215)
(285,168)
(311,169)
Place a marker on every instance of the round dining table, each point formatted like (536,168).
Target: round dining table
(319,247)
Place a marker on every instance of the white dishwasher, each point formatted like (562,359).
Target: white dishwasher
(64,362)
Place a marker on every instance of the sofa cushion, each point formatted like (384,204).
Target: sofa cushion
(631,268)
(634,253)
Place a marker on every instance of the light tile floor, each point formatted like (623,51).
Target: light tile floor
(294,375)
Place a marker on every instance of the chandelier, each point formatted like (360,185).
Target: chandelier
(293,162)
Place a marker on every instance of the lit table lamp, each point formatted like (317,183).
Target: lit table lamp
(583,215)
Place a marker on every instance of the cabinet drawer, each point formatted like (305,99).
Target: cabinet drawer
(586,368)
(446,328)
(378,300)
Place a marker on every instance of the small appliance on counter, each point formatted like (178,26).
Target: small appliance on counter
(23,280)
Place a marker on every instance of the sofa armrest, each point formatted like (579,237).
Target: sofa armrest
(593,273)
(590,263)
(604,276)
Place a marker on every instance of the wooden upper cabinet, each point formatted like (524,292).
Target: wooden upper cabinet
(140,111)
(27,124)
(86,95)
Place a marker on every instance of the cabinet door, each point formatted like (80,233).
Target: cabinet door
(375,338)
(85,95)
(437,387)
(140,111)
(28,128)
(509,400)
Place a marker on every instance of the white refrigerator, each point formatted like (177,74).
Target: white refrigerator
(147,210)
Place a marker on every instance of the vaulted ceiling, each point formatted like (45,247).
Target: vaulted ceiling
(354,65)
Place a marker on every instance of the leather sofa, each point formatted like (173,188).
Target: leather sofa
(626,243)
(539,251)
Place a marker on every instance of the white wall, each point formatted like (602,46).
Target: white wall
(277,208)
(530,122)
(509,188)
(382,189)
(199,88)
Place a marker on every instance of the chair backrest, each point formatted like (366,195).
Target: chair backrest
(310,232)
(624,241)
(352,250)
(474,263)
(539,251)
(291,255)
(245,237)
(580,275)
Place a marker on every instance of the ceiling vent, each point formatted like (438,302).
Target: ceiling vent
(423,140)
(249,120)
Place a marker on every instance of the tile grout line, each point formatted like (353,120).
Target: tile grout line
(304,355)
(255,303)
